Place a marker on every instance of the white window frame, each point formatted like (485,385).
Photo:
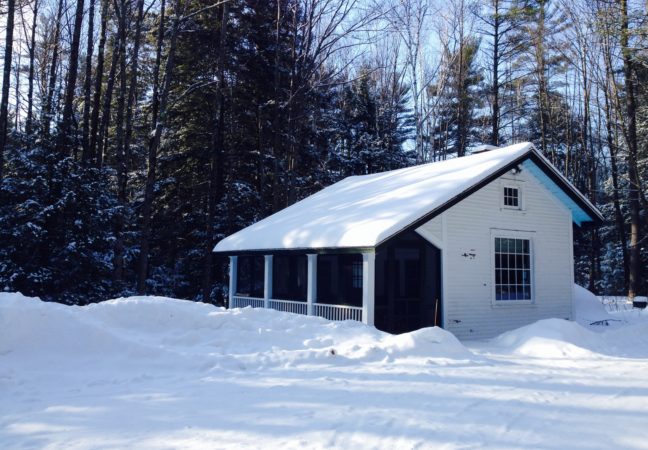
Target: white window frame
(520,190)
(513,234)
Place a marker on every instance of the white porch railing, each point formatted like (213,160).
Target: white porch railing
(337,312)
(330,312)
(290,306)
(242,302)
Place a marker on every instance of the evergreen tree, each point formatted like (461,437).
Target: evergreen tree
(56,226)
(456,127)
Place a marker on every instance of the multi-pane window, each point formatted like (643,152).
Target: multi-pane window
(511,197)
(512,269)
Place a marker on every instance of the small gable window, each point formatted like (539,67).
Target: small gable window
(512,197)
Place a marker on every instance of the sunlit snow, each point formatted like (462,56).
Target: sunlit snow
(157,373)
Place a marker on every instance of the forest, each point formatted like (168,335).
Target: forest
(135,134)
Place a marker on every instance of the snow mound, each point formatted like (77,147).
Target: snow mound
(202,336)
(594,331)
(587,307)
(435,345)
(552,338)
(425,342)
(35,331)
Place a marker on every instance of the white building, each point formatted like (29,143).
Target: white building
(478,245)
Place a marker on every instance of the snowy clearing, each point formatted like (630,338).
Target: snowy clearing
(156,373)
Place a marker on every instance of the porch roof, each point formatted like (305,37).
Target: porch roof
(364,211)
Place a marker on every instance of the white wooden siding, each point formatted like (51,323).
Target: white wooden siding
(470,311)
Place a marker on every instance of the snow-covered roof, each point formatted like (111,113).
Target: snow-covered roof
(363,211)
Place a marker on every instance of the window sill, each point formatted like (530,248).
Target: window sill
(513,304)
(511,208)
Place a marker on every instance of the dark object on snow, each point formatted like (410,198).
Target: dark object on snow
(605,322)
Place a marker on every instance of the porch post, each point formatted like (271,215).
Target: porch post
(233,271)
(311,290)
(368,280)
(267,281)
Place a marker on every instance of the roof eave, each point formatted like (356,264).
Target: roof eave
(596,218)
(300,250)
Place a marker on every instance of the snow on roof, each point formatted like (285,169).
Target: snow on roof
(362,211)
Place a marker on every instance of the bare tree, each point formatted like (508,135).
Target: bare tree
(48,106)
(409,19)
(216,168)
(99,73)
(634,276)
(6,79)
(87,85)
(31,47)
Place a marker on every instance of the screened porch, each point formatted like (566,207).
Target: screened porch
(336,286)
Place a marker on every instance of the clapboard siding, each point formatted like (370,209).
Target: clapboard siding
(468,273)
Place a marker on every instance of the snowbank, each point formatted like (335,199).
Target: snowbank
(166,331)
(153,373)
(552,338)
(594,331)
(588,307)
(158,328)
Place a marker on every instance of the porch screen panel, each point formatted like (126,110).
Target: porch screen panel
(512,269)
(339,279)
(249,276)
(289,277)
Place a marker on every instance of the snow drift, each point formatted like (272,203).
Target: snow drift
(157,328)
(152,373)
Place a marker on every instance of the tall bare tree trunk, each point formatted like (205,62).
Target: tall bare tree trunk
(87,86)
(120,160)
(102,136)
(217,159)
(66,140)
(29,123)
(634,276)
(543,99)
(132,90)
(149,189)
(96,101)
(48,107)
(6,79)
(495,113)
(276,122)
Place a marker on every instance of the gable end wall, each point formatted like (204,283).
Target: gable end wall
(470,309)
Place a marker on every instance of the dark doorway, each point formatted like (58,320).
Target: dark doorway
(408,284)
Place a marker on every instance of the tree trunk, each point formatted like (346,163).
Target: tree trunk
(120,163)
(96,101)
(495,115)
(634,276)
(156,131)
(6,79)
(107,102)
(132,90)
(217,158)
(66,140)
(543,103)
(48,107)
(276,124)
(87,86)
(29,124)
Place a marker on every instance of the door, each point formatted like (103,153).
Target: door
(408,284)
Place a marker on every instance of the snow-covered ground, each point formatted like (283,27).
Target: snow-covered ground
(156,373)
